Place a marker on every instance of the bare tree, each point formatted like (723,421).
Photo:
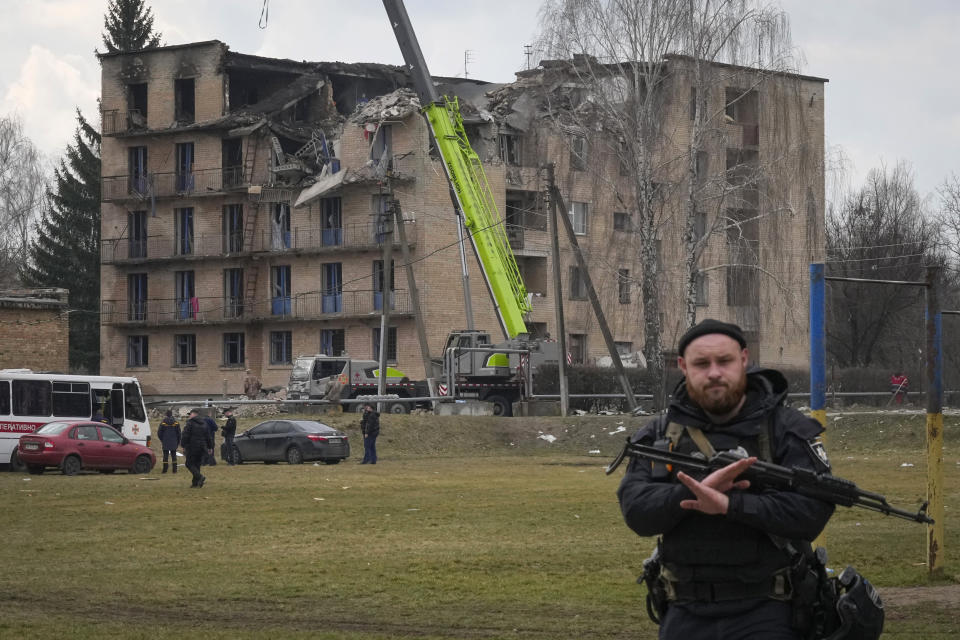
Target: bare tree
(637,66)
(880,231)
(23,186)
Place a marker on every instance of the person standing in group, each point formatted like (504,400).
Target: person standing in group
(726,548)
(229,430)
(196,442)
(212,427)
(251,386)
(169,436)
(370,427)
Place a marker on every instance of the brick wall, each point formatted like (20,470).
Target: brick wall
(34,335)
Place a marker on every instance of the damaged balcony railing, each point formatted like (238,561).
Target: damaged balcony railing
(350,236)
(226,309)
(171,184)
(114,121)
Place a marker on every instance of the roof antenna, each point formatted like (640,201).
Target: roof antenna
(264,14)
(467,58)
(528,51)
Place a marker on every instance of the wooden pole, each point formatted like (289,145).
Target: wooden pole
(558,295)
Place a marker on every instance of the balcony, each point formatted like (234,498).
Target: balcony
(350,237)
(116,121)
(171,184)
(220,310)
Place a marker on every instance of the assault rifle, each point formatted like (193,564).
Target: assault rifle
(808,482)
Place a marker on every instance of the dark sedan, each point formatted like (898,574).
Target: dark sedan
(291,440)
(72,446)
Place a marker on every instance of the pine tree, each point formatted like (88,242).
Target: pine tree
(65,250)
(129,27)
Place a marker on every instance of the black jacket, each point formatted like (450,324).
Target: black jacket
(196,436)
(370,423)
(169,433)
(229,429)
(738,545)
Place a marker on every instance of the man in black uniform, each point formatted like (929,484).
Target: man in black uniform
(726,548)
(197,442)
(229,431)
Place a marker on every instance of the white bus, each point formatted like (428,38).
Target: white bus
(30,400)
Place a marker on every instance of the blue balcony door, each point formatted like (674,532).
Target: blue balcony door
(332,288)
(137,232)
(233,293)
(280,226)
(184,152)
(331,221)
(137,297)
(187,305)
(280,286)
(137,168)
(184,231)
(378,288)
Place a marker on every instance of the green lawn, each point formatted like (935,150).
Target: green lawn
(467,528)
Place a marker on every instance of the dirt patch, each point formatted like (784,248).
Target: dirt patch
(946,596)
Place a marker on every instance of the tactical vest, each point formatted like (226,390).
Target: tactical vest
(710,548)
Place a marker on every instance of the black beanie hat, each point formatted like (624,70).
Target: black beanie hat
(708,326)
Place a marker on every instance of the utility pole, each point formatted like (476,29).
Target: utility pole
(385,227)
(556,196)
(414,299)
(558,294)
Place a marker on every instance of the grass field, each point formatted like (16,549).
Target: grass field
(468,528)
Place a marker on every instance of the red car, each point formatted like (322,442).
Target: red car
(72,446)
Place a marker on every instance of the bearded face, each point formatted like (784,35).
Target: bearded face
(716,371)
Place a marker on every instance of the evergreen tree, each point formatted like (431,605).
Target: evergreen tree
(65,250)
(129,27)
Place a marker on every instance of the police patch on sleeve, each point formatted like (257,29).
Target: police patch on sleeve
(819,453)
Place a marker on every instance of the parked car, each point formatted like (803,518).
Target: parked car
(291,440)
(72,446)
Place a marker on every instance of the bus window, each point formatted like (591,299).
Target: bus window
(134,402)
(101,402)
(71,399)
(31,397)
(4,398)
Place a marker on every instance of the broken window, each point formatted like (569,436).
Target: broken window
(187,305)
(232,293)
(185,350)
(741,105)
(183,98)
(510,149)
(183,231)
(137,297)
(138,349)
(382,223)
(301,110)
(622,221)
(137,233)
(281,347)
(381,147)
(137,171)
(332,295)
(391,344)
(578,153)
(233,228)
(378,277)
(702,290)
(232,162)
(578,217)
(525,209)
(623,286)
(624,159)
(233,349)
(623,348)
(280,290)
(331,221)
(699,226)
(280,226)
(578,348)
(578,284)
(137,105)
(184,160)
(742,286)
(332,342)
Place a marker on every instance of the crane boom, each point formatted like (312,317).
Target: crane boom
(468,182)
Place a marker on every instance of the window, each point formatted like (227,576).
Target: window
(699,226)
(231,158)
(693,103)
(281,347)
(137,297)
(183,231)
(301,110)
(578,217)
(578,348)
(137,351)
(622,221)
(31,398)
(233,349)
(232,293)
(578,284)
(578,153)
(332,296)
(330,221)
(71,399)
(624,159)
(137,105)
(280,290)
(623,348)
(86,432)
(742,286)
(184,100)
(623,285)
(233,228)
(332,342)
(184,166)
(702,290)
(382,223)
(378,277)
(280,226)
(381,147)
(185,350)
(5,398)
(133,401)
(187,305)
(110,435)
(391,344)
(139,181)
(137,233)
(510,149)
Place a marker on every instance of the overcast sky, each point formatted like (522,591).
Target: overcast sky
(893,92)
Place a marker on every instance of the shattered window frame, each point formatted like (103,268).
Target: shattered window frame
(579,212)
(331,339)
(185,100)
(138,351)
(623,286)
(579,149)
(391,344)
(234,349)
(511,149)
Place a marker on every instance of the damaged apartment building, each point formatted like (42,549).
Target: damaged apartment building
(246,202)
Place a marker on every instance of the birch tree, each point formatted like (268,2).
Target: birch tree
(23,188)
